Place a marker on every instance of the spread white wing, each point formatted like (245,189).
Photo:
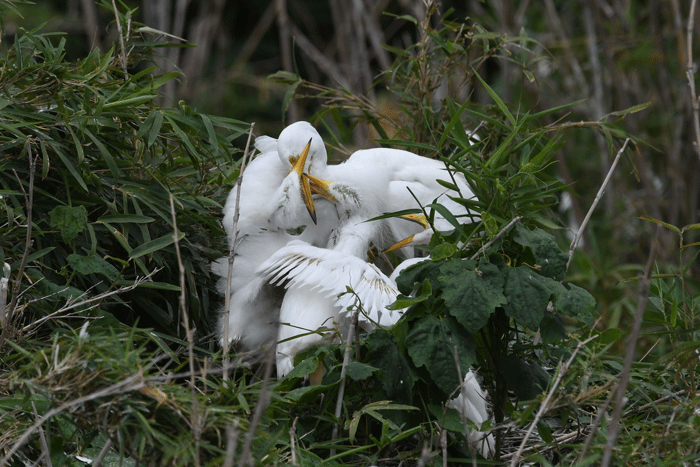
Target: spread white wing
(330,272)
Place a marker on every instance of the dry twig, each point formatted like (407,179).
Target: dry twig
(601,191)
(196,428)
(122,55)
(690,74)
(231,256)
(343,370)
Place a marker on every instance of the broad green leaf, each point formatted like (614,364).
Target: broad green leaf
(416,274)
(92,264)
(574,301)
(432,342)
(443,251)
(397,376)
(359,371)
(526,380)
(471,294)
(552,328)
(403,301)
(527,296)
(549,257)
(70,221)
(154,245)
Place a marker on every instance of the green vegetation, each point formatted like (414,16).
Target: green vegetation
(109,221)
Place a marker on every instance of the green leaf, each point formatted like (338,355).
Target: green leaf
(359,371)
(431,343)
(574,301)
(549,257)
(443,251)
(526,380)
(416,274)
(92,264)
(471,294)
(126,219)
(499,102)
(552,328)
(154,245)
(403,301)
(527,296)
(397,376)
(665,224)
(70,221)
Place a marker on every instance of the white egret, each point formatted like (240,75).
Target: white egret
(267,215)
(315,277)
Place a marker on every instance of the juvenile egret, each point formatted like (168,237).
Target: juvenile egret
(471,404)
(315,277)
(266,217)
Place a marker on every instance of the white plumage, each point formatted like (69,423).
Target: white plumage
(298,279)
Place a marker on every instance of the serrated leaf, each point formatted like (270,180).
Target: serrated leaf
(417,274)
(527,296)
(359,371)
(549,257)
(443,251)
(471,294)
(70,221)
(92,264)
(574,301)
(397,377)
(431,343)
(403,301)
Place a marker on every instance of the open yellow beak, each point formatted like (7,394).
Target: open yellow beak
(298,167)
(320,186)
(418,219)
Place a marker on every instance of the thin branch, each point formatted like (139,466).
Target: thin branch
(498,235)
(122,55)
(196,428)
(232,433)
(601,191)
(231,256)
(642,296)
(545,405)
(690,73)
(343,371)
(42,442)
(103,453)
(292,438)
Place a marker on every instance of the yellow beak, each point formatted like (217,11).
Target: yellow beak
(320,186)
(418,219)
(304,181)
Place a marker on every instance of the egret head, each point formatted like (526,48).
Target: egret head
(292,142)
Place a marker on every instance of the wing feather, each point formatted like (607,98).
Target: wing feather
(329,273)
